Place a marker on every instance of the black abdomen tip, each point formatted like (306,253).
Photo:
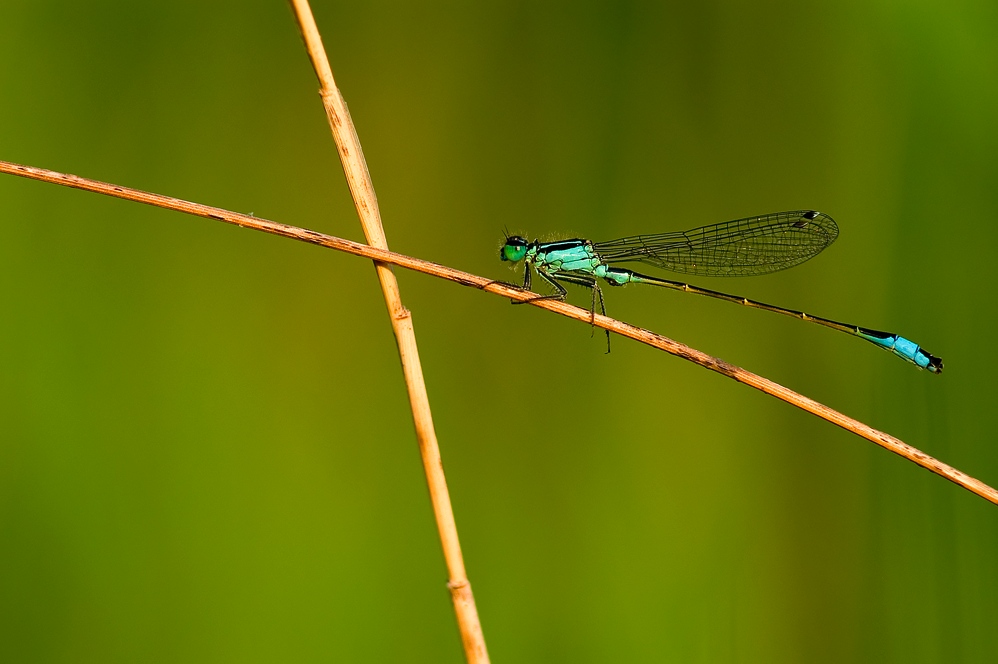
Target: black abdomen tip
(935,364)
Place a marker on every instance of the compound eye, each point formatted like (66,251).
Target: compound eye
(512,253)
(514,250)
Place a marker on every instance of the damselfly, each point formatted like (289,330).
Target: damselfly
(744,247)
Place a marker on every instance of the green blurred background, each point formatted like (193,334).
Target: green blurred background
(206,452)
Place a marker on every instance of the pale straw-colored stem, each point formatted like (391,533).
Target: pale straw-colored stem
(886,441)
(362,190)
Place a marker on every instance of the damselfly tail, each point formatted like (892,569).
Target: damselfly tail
(896,344)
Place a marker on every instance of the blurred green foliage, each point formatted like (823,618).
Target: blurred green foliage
(205,447)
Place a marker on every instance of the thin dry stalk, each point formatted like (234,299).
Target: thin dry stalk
(362,189)
(466,279)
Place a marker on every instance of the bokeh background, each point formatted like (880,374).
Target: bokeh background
(206,452)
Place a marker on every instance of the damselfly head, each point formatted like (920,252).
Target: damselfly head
(514,250)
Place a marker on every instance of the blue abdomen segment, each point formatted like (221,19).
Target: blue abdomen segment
(903,348)
(615,276)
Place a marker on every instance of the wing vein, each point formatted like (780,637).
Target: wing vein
(743,247)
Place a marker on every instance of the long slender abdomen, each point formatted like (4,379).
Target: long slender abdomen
(896,344)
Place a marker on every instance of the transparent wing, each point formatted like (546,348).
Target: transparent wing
(744,247)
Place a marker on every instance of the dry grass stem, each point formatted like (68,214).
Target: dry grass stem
(362,190)
(464,278)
